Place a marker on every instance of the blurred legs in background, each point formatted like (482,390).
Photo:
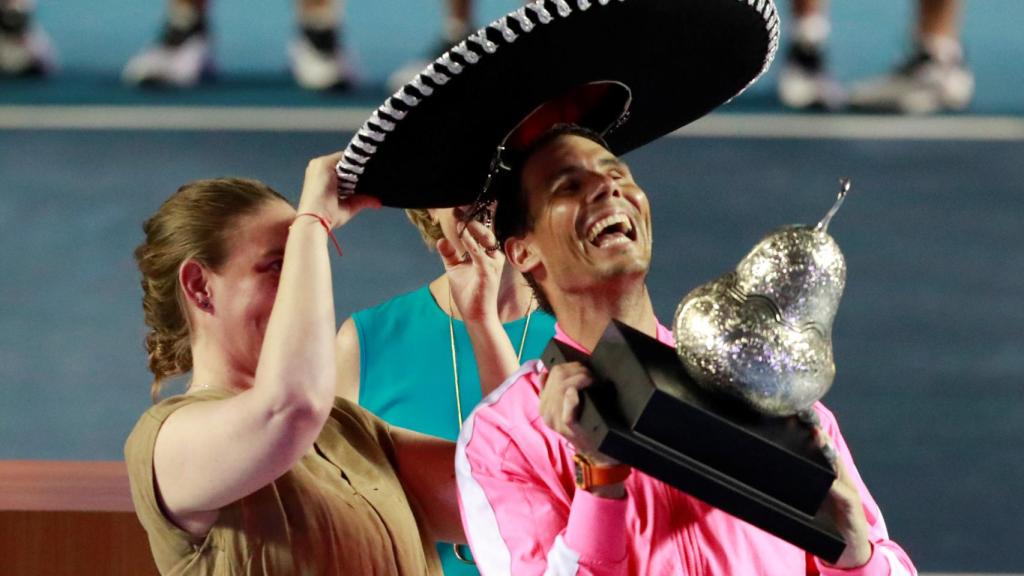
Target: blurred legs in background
(25,50)
(458,24)
(182,56)
(317,53)
(804,81)
(934,77)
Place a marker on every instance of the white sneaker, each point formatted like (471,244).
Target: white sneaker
(26,51)
(180,66)
(803,82)
(316,70)
(922,85)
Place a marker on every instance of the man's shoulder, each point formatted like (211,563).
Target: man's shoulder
(510,408)
(506,437)
(518,396)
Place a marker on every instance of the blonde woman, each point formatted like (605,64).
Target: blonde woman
(258,468)
(424,359)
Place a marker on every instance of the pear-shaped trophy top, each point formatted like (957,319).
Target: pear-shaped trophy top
(763,332)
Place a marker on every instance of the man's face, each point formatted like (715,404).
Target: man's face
(591,222)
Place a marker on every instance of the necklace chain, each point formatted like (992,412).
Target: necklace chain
(455,360)
(455,377)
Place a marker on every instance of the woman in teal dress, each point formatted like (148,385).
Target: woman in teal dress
(424,359)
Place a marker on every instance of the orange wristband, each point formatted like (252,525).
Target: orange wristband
(589,475)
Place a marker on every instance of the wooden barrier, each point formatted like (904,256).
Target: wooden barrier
(69,518)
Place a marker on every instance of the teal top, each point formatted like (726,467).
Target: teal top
(405,370)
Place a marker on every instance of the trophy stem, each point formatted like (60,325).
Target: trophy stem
(844,188)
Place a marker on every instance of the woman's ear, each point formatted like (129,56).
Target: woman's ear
(195,285)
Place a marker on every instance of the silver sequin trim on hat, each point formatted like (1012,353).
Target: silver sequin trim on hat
(439,78)
(767,10)
(368,133)
(462,49)
(391,111)
(501,25)
(439,72)
(420,87)
(405,98)
(542,14)
(362,149)
(357,157)
(344,163)
(480,37)
(453,67)
(525,24)
(385,125)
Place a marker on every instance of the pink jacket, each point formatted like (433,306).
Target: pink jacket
(523,515)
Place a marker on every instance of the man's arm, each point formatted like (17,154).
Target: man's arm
(886,557)
(520,510)
(425,467)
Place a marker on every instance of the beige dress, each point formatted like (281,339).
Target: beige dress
(339,511)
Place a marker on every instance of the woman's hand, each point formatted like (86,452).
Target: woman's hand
(320,193)
(476,276)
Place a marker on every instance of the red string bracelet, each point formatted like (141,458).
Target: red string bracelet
(327,226)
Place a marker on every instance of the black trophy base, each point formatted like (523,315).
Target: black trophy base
(645,411)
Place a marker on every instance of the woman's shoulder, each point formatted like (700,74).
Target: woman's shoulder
(414,298)
(156,414)
(144,432)
(394,318)
(544,319)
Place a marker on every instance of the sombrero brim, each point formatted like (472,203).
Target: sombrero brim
(431,144)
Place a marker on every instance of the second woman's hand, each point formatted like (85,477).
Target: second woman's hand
(474,278)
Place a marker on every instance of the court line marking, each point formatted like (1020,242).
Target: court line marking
(731,125)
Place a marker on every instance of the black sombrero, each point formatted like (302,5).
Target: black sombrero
(656,64)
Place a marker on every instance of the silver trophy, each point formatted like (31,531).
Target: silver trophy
(763,332)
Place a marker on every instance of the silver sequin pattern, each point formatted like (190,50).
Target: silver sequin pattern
(763,332)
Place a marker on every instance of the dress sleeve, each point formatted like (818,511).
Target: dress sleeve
(519,509)
(887,557)
(165,537)
(372,425)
